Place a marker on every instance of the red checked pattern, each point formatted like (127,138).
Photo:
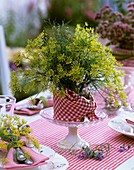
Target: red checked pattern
(74,107)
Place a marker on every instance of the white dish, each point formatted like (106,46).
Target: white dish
(46,151)
(48,114)
(118,125)
(58,163)
(55,162)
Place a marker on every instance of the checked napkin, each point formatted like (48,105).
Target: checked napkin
(73,107)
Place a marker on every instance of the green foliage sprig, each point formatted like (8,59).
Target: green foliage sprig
(98,153)
(67,58)
(101,151)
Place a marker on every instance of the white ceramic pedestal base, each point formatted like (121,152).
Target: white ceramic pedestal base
(72,140)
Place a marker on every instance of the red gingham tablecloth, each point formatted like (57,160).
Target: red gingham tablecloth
(49,134)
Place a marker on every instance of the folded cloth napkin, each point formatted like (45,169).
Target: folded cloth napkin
(74,107)
(38,159)
(27,112)
(130,121)
(32,111)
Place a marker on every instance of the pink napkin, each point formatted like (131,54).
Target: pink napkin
(29,112)
(39,159)
(129,121)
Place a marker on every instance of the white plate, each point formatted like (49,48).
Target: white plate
(118,125)
(56,161)
(46,151)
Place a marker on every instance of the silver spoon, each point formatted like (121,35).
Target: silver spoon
(14,156)
(20,155)
(28,161)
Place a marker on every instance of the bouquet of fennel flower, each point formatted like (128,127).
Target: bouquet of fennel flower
(14,133)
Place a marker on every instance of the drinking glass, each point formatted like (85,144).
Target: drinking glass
(7,104)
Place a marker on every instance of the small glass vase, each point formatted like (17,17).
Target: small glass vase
(7,104)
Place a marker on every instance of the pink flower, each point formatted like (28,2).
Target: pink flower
(98,15)
(131,9)
(106,9)
(130,5)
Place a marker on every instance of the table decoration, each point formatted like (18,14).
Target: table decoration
(128,79)
(71,59)
(100,151)
(120,126)
(55,162)
(128,119)
(118,29)
(33,105)
(72,139)
(74,108)
(58,163)
(128,89)
(27,112)
(15,144)
(94,135)
(7,104)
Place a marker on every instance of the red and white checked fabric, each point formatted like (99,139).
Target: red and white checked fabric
(73,107)
(99,133)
